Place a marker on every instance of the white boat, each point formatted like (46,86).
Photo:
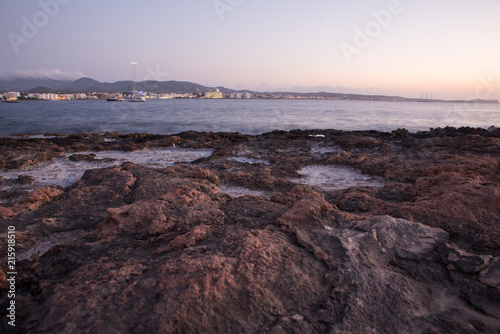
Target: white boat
(136,99)
(135,96)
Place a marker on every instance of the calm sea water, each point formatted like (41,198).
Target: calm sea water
(246,116)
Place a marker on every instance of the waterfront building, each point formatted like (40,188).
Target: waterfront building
(213,95)
(11,95)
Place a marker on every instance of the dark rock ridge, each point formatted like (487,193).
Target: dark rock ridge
(133,249)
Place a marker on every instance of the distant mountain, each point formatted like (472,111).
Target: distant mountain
(25,84)
(42,90)
(83,85)
(88,85)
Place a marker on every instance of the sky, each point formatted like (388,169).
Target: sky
(411,48)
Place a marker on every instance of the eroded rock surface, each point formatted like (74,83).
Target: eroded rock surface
(134,249)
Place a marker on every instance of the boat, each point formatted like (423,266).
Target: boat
(136,99)
(115,99)
(135,96)
(426,99)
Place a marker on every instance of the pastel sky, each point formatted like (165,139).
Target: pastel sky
(450,48)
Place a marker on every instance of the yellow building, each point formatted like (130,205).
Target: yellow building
(213,95)
(11,95)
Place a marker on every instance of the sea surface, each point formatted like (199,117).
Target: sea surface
(245,116)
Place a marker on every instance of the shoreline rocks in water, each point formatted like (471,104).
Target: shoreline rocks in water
(137,248)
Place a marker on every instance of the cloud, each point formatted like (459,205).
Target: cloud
(44,73)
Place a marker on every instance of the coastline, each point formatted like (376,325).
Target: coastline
(143,248)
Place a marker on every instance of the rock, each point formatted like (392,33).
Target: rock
(179,207)
(6,212)
(33,201)
(3,280)
(191,238)
(136,249)
(25,179)
(310,208)
(192,172)
(461,205)
(467,262)
(83,157)
(493,129)
(491,275)
(404,238)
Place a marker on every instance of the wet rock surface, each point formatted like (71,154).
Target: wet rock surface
(136,249)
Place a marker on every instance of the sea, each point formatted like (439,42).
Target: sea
(252,116)
(37,118)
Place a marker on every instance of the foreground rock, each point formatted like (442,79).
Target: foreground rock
(132,249)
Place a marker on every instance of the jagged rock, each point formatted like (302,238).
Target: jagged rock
(32,201)
(38,198)
(491,275)
(468,262)
(3,280)
(404,238)
(25,179)
(6,212)
(310,204)
(83,157)
(191,238)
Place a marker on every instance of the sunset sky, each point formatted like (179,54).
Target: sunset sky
(450,48)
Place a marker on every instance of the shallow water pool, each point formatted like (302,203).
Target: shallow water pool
(64,172)
(331,178)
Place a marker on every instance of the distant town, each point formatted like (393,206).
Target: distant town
(147,95)
(90,89)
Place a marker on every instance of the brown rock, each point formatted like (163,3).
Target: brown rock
(6,212)
(468,262)
(310,205)
(403,238)
(3,280)
(33,201)
(491,275)
(468,207)
(168,253)
(83,157)
(25,179)
(189,239)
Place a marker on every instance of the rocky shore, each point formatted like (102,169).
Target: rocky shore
(240,240)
